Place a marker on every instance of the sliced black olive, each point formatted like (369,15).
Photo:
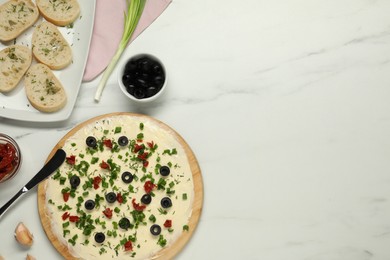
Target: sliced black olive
(124,223)
(123,141)
(127,177)
(91,141)
(89,204)
(164,170)
(111,197)
(166,202)
(74,181)
(146,199)
(139,93)
(155,230)
(100,237)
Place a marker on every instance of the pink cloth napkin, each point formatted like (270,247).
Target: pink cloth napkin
(108,29)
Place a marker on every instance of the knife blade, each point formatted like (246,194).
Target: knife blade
(52,165)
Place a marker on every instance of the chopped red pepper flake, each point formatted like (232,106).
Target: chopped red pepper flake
(108,213)
(71,160)
(143,156)
(104,165)
(119,197)
(145,163)
(65,195)
(108,143)
(150,144)
(149,186)
(74,218)
(8,159)
(138,148)
(128,246)
(65,216)
(96,181)
(168,223)
(137,206)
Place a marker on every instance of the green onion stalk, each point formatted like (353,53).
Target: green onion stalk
(134,12)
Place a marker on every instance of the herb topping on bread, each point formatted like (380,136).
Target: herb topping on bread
(16,16)
(59,12)
(14,62)
(44,91)
(50,47)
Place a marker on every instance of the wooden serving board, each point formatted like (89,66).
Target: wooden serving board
(166,253)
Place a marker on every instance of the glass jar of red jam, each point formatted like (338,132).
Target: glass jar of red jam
(10,157)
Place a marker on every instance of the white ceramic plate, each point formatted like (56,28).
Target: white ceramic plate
(15,105)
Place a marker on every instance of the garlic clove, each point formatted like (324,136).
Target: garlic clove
(30,257)
(23,235)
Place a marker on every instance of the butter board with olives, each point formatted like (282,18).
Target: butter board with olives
(130,188)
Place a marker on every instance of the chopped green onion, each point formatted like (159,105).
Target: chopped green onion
(152,218)
(161,241)
(134,12)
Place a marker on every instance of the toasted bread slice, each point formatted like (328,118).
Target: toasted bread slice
(59,12)
(50,47)
(15,17)
(43,89)
(14,62)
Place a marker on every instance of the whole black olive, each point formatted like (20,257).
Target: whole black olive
(131,66)
(151,91)
(139,93)
(126,79)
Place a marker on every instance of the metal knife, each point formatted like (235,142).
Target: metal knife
(52,165)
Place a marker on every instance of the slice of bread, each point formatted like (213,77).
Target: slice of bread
(50,47)
(15,17)
(59,12)
(14,62)
(43,89)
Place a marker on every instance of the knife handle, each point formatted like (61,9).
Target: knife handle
(52,165)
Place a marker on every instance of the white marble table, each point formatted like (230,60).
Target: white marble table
(286,106)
